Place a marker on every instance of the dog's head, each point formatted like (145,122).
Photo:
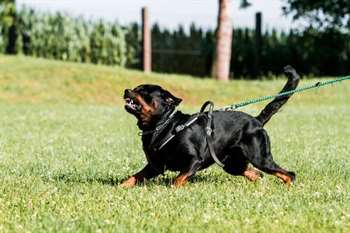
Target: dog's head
(148,103)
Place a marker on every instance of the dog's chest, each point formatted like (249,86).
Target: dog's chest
(168,158)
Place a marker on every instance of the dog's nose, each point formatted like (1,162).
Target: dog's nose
(127,92)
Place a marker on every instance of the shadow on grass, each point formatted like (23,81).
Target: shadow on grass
(169,179)
(164,180)
(75,178)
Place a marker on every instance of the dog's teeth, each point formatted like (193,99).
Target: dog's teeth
(129,102)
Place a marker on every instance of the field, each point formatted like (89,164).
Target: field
(66,143)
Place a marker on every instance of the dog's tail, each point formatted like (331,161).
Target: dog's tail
(278,102)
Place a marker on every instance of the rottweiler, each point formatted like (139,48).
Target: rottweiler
(176,141)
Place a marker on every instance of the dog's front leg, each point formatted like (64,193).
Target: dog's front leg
(182,179)
(146,173)
(185,175)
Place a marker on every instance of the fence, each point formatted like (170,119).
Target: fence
(61,37)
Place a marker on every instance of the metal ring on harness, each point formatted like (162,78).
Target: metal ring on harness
(208,128)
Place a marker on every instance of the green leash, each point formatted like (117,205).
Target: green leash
(264,98)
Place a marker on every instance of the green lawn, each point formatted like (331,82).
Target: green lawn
(66,143)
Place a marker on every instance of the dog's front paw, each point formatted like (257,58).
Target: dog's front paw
(252,174)
(129,183)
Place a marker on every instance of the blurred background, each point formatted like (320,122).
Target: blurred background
(311,35)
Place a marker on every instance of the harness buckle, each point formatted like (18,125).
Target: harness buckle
(179,128)
(209,131)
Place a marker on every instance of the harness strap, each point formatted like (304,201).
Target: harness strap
(209,131)
(212,151)
(179,128)
(166,141)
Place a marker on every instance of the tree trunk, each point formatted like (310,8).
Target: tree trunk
(221,66)
(146,42)
(12,30)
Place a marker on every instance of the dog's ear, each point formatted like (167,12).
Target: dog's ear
(170,98)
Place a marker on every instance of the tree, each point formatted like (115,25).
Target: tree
(221,66)
(222,57)
(6,10)
(321,13)
(8,22)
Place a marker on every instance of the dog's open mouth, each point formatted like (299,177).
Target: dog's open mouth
(129,103)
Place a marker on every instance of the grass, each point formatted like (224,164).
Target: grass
(66,142)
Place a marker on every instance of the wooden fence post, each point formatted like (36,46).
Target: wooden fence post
(146,42)
(258,44)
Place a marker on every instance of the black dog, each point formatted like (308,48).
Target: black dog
(176,141)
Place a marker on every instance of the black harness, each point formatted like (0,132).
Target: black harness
(162,125)
(209,131)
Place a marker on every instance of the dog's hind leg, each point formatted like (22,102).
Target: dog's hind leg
(256,148)
(237,164)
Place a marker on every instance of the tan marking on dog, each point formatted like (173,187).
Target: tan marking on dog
(146,110)
(133,180)
(252,174)
(129,183)
(285,178)
(181,179)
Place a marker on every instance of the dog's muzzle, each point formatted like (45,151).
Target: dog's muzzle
(130,103)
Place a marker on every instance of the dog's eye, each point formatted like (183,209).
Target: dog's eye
(147,98)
